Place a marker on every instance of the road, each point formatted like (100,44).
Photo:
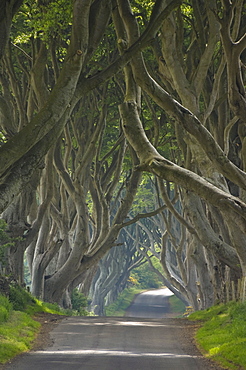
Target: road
(117,343)
(151,304)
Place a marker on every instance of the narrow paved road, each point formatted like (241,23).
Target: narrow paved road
(103,343)
(151,304)
(117,343)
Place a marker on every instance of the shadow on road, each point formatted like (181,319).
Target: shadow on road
(109,343)
(135,342)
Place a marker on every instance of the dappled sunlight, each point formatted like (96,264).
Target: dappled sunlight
(115,322)
(107,352)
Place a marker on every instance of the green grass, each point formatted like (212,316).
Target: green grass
(39,306)
(5,309)
(222,336)
(176,305)
(118,308)
(16,335)
(17,327)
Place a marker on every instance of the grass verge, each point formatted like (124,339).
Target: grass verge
(222,336)
(17,327)
(176,306)
(17,335)
(119,307)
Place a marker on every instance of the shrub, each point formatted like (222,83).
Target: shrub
(4,315)
(5,309)
(5,242)
(79,301)
(144,278)
(4,301)
(19,298)
(4,285)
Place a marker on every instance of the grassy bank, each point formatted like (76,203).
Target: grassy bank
(176,306)
(17,335)
(118,308)
(17,327)
(222,336)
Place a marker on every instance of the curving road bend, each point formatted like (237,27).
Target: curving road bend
(117,343)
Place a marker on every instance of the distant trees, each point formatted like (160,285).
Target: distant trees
(71,160)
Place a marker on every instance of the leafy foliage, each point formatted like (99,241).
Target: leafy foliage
(145,278)
(145,197)
(142,9)
(79,301)
(5,242)
(2,138)
(5,308)
(19,297)
(47,21)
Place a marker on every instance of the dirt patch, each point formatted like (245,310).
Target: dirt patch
(189,329)
(48,323)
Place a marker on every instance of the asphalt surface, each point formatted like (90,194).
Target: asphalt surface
(117,343)
(151,304)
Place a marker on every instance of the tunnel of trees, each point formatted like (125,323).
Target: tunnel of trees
(122,137)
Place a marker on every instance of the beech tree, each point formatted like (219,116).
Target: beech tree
(7,11)
(71,162)
(207,169)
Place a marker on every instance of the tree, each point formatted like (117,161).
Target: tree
(205,155)
(7,11)
(68,175)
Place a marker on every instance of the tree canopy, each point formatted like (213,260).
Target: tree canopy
(124,115)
